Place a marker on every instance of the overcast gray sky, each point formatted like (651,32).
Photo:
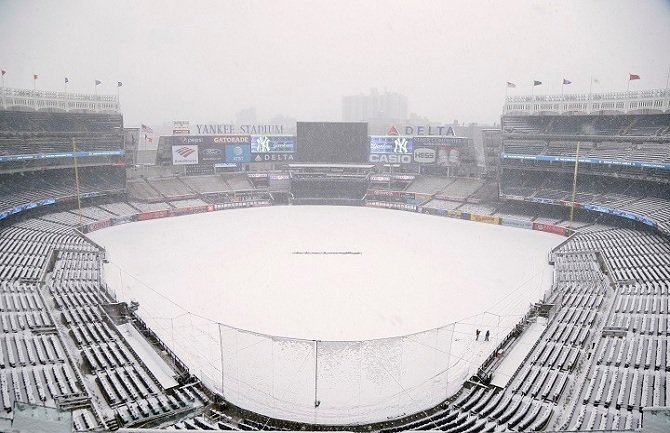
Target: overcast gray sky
(206,60)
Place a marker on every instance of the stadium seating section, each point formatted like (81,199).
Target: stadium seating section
(42,171)
(646,125)
(60,346)
(28,133)
(624,162)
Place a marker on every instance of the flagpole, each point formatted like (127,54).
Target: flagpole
(590,89)
(667,80)
(574,185)
(76,178)
(628,87)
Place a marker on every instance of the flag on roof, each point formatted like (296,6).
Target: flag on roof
(632,77)
(511,85)
(119,84)
(536,83)
(66,80)
(98,82)
(3,72)
(566,81)
(148,129)
(34,76)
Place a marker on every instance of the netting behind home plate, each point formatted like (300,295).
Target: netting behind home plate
(327,382)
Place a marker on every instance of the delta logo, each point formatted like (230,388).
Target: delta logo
(185,152)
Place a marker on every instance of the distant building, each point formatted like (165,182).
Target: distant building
(246,116)
(374,106)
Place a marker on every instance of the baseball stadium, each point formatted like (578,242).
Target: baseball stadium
(332,276)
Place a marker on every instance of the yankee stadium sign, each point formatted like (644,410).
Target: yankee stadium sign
(229,128)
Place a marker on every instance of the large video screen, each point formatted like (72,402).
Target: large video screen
(332,142)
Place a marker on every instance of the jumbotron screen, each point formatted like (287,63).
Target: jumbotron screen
(332,142)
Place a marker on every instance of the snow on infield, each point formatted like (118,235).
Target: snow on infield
(330,273)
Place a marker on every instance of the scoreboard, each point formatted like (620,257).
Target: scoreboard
(332,142)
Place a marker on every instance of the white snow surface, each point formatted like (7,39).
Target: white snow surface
(158,367)
(414,272)
(403,273)
(517,353)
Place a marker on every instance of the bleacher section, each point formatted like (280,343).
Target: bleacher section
(631,125)
(149,207)
(188,203)
(119,209)
(429,184)
(442,204)
(644,199)
(626,150)
(37,122)
(19,190)
(624,163)
(603,356)
(478,209)
(139,189)
(207,184)
(37,158)
(461,188)
(171,188)
(187,187)
(238,181)
(35,140)
(59,346)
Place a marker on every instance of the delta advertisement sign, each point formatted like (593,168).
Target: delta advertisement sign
(272,148)
(422,130)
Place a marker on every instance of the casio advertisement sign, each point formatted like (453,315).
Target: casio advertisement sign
(391,158)
(425,155)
